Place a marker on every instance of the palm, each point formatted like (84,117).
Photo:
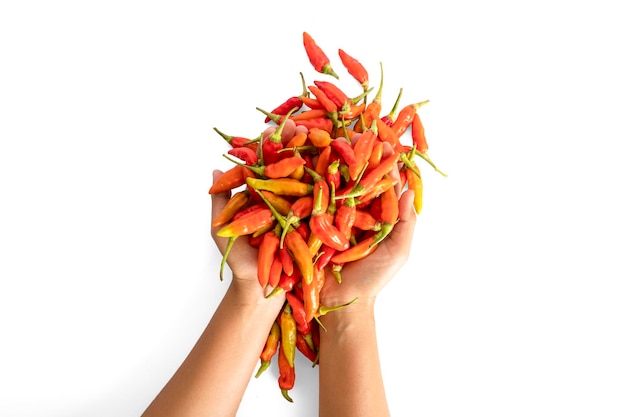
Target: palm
(366,277)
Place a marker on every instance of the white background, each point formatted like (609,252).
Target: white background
(513,303)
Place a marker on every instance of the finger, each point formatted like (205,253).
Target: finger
(402,233)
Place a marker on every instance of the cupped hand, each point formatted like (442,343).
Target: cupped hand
(242,259)
(366,277)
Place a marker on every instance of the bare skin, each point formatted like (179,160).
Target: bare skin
(213,378)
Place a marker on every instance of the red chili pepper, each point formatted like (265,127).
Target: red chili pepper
(317,57)
(270,349)
(286,106)
(346,216)
(331,108)
(265,257)
(286,283)
(319,122)
(305,348)
(309,114)
(322,226)
(373,109)
(345,151)
(355,68)
(334,93)
(380,187)
(299,314)
(386,134)
(376,156)
(364,220)
(323,160)
(325,253)
(286,376)
(362,151)
(274,142)
(332,175)
(244,153)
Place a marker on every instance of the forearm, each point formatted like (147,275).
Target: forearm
(351,381)
(212,379)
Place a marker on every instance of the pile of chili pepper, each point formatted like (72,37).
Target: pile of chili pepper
(316,189)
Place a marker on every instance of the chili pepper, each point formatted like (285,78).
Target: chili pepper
(320,138)
(233,205)
(298,312)
(414,182)
(286,260)
(245,154)
(247,210)
(363,220)
(280,203)
(300,209)
(325,253)
(359,251)
(254,241)
(373,109)
(345,133)
(303,229)
(322,226)
(276,271)
(229,246)
(281,186)
(386,134)
(319,122)
(284,167)
(265,257)
(389,213)
(330,107)
(345,151)
(311,293)
(376,156)
(274,142)
(314,243)
(323,160)
(346,216)
(288,329)
(332,175)
(270,348)
(305,348)
(299,139)
(235,141)
(355,68)
(334,93)
(286,283)
(352,112)
(417,134)
(372,177)
(231,178)
(247,224)
(286,106)
(391,116)
(316,56)
(286,375)
(309,114)
(363,150)
(406,117)
(301,254)
(381,186)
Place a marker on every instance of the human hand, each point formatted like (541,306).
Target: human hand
(366,277)
(242,259)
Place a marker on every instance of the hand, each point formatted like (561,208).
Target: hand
(366,277)
(242,259)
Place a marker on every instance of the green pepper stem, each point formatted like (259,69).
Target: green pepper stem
(229,246)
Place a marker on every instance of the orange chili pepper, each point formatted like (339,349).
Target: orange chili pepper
(355,68)
(281,186)
(276,270)
(305,347)
(270,348)
(247,224)
(373,109)
(320,138)
(331,108)
(323,160)
(363,150)
(297,140)
(334,93)
(317,57)
(417,134)
(388,213)
(346,216)
(359,251)
(265,257)
(232,178)
(320,122)
(311,293)
(363,220)
(380,187)
(376,156)
(386,134)
(301,255)
(309,114)
(406,117)
(280,203)
(233,205)
(286,260)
